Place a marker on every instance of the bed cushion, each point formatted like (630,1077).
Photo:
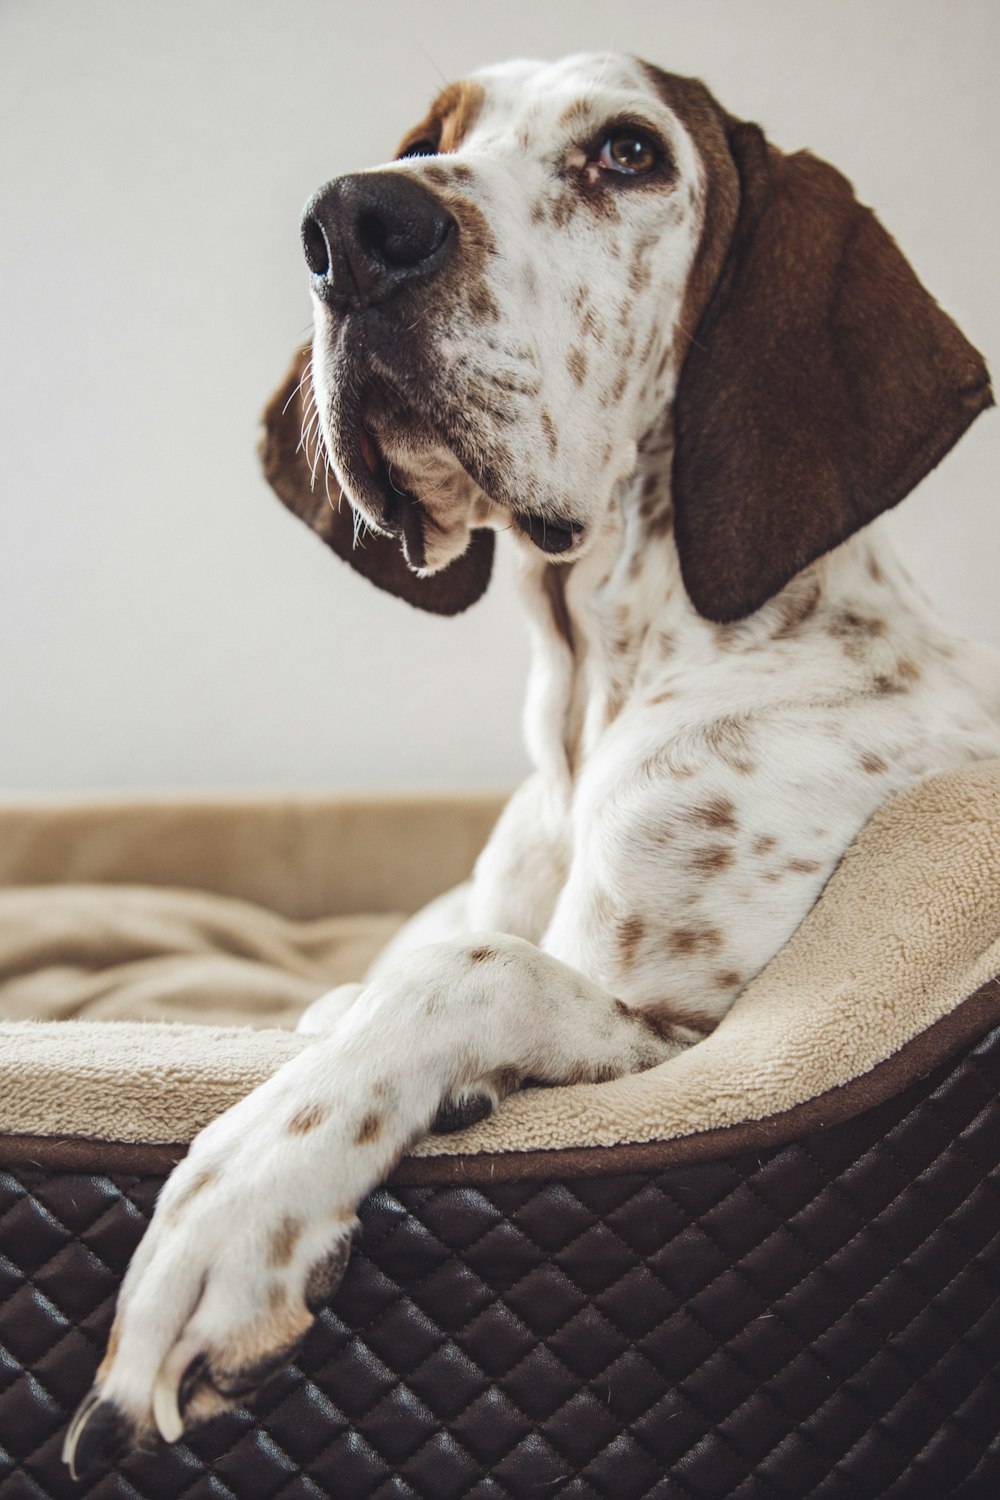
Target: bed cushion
(766,1268)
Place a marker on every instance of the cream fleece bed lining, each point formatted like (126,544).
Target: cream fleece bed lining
(908,926)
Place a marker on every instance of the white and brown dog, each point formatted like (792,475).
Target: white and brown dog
(685,371)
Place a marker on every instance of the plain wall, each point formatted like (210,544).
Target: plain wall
(162,620)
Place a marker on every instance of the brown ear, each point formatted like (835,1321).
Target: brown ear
(822,384)
(295,469)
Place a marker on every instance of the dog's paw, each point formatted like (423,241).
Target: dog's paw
(220,1294)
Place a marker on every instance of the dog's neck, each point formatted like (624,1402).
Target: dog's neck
(592,620)
(608,629)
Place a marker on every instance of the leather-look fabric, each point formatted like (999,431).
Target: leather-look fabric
(815,1321)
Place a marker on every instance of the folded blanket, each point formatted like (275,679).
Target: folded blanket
(908,927)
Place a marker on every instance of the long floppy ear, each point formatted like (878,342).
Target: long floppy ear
(822,384)
(295,468)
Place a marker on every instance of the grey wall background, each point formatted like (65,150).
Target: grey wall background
(162,621)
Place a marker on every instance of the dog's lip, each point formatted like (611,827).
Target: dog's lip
(400,512)
(549,535)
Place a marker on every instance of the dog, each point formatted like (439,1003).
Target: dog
(685,372)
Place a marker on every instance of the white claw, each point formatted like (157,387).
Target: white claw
(166,1412)
(75,1428)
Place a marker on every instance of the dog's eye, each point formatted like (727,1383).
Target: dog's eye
(630,152)
(424,147)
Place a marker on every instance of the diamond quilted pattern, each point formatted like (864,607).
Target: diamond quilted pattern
(817,1322)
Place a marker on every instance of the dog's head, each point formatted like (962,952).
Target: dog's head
(560,255)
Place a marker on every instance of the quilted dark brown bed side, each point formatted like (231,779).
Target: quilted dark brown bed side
(810,1321)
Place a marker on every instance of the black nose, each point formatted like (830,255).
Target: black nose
(368,236)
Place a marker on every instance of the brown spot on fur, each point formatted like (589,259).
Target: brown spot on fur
(804,866)
(283,1241)
(873,764)
(764,844)
(874,571)
(666,1017)
(482,955)
(663,697)
(482,304)
(683,941)
(728,979)
(575,114)
(306,1119)
(731,739)
(631,931)
(112,1349)
(712,859)
(198,1183)
(847,623)
(620,386)
(504,1081)
(796,609)
(370,1129)
(908,671)
(576,363)
(718,812)
(549,429)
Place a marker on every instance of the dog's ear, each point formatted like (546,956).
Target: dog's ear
(295,467)
(823,382)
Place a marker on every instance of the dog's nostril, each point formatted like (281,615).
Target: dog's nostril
(399,241)
(314,244)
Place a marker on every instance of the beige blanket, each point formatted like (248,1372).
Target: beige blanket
(157,923)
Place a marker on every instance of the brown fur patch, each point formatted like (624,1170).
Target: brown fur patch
(907,671)
(549,429)
(631,931)
(504,1081)
(873,764)
(727,979)
(198,1183)
(795,610)
(718,812)
(482,303)
(731,739)
(683,941)
(712,859)
(482,955)
(804,866)
(576,363)
(370,1129)
(112,1349)
(283,1241)
(306,1119)
(667,1018)
(764,844)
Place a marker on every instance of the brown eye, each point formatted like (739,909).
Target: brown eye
(630,152)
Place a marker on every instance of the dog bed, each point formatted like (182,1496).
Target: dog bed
(769,1267)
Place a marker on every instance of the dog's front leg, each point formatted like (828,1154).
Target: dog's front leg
(252,1231)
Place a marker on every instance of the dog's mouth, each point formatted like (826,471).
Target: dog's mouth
(408,477)
(397,507)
